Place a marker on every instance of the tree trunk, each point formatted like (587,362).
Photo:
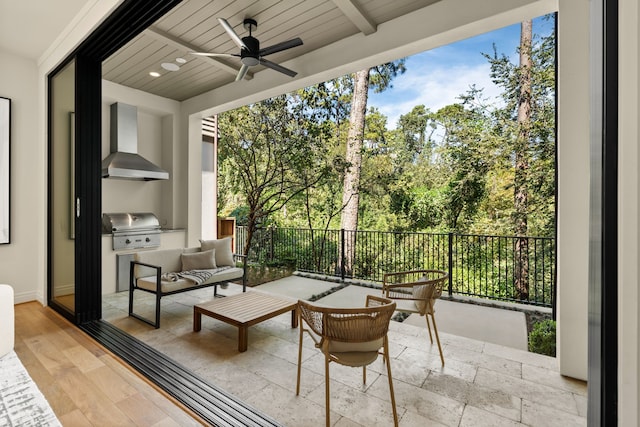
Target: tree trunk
(350,195)
(251,228)
(521,195)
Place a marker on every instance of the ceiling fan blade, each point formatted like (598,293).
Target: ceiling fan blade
(242,72)
(228,55)
(277,67)
(280,46)
(234,36)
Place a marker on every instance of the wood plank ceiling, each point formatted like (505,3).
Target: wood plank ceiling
(193,26)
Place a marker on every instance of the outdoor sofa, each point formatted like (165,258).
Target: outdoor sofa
(165,272)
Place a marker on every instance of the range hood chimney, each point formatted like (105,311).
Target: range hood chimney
(124,162)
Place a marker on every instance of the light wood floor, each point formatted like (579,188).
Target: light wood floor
(84,383)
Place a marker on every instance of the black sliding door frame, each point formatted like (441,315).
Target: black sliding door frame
(127,21)
(603,239)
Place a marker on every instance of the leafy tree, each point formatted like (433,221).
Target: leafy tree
(535,140)
(267,154)
(521,191)
(467,152)
(528,123)
(414,127)
(379,78)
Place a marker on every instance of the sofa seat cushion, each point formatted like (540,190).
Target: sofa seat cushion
(149,282)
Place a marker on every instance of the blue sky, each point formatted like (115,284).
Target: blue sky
(437,77)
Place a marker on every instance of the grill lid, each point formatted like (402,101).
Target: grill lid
(125,222)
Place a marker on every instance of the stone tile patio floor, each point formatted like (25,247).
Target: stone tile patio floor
(482,384)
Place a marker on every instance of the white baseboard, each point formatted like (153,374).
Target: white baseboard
(21,297)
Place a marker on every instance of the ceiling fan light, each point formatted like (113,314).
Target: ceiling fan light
(170,66)
(250,61)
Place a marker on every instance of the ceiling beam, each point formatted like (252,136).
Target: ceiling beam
(170,40)
(352,11)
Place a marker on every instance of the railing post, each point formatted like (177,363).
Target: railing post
(342,257)
(271,244)
(450,266)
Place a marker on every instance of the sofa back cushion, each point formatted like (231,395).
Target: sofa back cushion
(168,259)
(224,255)
(7,320)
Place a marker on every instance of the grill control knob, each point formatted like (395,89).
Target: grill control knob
(147,240)
(127,241)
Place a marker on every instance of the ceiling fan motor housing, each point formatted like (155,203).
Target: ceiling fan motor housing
(250,57)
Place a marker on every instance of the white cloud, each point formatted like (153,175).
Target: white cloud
(434,87)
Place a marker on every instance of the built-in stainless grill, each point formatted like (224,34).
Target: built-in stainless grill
(132,230)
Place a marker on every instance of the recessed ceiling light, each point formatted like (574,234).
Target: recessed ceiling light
(181,60)
(169,66)
(154,74)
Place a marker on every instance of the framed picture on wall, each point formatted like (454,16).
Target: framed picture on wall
(5,168)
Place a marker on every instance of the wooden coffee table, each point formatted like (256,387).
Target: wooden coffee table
(244,310)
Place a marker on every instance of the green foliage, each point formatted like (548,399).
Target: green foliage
(241,214)
(380,76)
(269,153)
(541,145)
(467,150)
(448,170)
(542,339)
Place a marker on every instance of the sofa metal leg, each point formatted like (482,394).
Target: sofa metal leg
(158,310)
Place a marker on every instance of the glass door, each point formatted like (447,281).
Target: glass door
(62,189)
(75,152)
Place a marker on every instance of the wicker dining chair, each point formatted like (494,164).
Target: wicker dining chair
(416,291)
(348,336)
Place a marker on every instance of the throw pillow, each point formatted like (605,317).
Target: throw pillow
(224,255)
(199,260)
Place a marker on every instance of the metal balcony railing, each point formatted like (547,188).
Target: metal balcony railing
(507,268)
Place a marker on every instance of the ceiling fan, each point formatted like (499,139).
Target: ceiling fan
(250,52)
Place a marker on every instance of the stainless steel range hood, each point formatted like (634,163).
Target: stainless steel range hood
(124,162)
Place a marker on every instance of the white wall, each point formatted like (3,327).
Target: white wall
(21,261)
(573,187)
(629,159)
